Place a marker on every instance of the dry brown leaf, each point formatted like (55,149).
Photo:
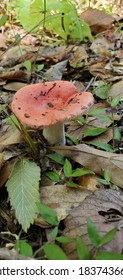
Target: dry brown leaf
(21,75)
(116,89)
(96,207)
(79,54)
(62,198)
(100,46)
(96,160)
(88,182)
(1,160)
(98,20)
(2,41)
(10,137)
(6,171)
(14,86)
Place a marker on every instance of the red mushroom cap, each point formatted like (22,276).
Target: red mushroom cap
(45,104)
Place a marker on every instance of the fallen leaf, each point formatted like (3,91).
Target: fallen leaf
(2,41)
(1,160)
(10,137)
(79,55)
(6,171)
(21,75)
(96,207)
(101,46)
(88,182)
(98,20)
(62,198)
(96,160)
(56,71)
(14,86)
(116,89)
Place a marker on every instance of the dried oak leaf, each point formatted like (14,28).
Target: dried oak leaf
(97,207)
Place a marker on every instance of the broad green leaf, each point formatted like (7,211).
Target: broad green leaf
(93,112)
(115,101)
(117,135)
(79,172)
(93,233)
(65,239)
(56,157)
(24,248)
(3,20)
(48,214)
(23,190)
(54,252)
(108,237)
(67,168)
(107,175)
(104,118)
(94,131)
(53,176)
(109,256)
(102,145)
(82,249)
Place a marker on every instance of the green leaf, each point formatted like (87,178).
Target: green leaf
(79,172)
(107,175)
(108,237)
(93,112)
(64,239)
(28,65)
(102,91)
(24,248)
(23,190)
(12,120)
(94,131)
(54,252)
(54,232)
(103,181)
(117,135)
(40,67)
(80,119)
(56,157)
(93,233)
(104,118)
(3,20)
(115,101)
(82,249)
(67,168)
(109,256)
(102,145)
(72,138)
(71,185)
(54,176)
(48,214)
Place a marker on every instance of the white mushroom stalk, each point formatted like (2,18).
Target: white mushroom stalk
(55,134)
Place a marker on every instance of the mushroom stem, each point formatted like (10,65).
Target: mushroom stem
(55,134)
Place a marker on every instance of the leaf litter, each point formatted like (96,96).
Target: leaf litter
(84,64)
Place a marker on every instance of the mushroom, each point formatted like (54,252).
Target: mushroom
(47,105)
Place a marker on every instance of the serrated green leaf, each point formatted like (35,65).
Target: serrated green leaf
(53,176)
(93,233)
(109,256)
(56,157)
(3,20)
(54,252)
(108,237)
(79,172)
(23,190)
(67,168)
(24,248)
(48,214)
(102,145)
(94,131)
(115,101)
(82,249)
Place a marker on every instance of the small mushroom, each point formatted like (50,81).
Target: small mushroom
(47,105)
